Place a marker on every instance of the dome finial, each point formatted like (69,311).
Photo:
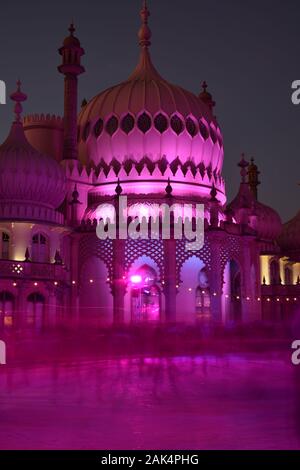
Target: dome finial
(206,97)
(243,164)
(72,28)
(18,97)
(213,194)
(145,32)
(253,179)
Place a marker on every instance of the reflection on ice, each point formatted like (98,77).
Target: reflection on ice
(203,402)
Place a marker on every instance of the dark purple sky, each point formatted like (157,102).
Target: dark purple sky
(248,51)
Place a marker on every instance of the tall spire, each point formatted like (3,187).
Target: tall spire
(145,32)
(18,97)
(145,69)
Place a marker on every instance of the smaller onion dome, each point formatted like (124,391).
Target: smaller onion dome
(246,209)
(32,185)
(289,239)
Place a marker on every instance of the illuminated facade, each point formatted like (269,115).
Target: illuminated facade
(155,143)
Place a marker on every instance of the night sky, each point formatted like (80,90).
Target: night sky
(247,51)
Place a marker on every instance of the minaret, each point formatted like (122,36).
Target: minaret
(253,181)
(71,67)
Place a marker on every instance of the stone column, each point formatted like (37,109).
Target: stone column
(253,285)
(74,280)
(118,283)
(170,280)
(215,283)
(247,291)
(21,304)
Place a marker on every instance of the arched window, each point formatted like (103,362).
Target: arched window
(288,276)
(112,125)
(203,130)
(40,248)
(5,246)
(98,128)
(145,296)
(161,123)
(274,272)
(6,309)
(127,123)
(36,310)
(144,122)
(177,124)
(191,127)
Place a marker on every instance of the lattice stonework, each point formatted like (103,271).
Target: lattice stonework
(137,248)
(230,250)
(182,255)
(90,245)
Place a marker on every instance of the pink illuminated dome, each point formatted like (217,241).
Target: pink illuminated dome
(146,129)
(32,185)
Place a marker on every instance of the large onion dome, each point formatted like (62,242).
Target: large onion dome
(154,129)
(289,239)
(32,185)
(247,209)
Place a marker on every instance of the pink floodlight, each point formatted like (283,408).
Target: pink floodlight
(136,279)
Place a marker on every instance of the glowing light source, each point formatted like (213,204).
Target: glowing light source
(91,281)
(136,279)
(237,297)
(247,298)
(73,282)
(226,296)
(17,268)
(55,283)
(214,294)
(287,299)
(268,300)
(258,299)
(277,300)
(190,289)
(14,284)
(35,284)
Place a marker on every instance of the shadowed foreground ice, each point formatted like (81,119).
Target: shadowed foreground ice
(239,402)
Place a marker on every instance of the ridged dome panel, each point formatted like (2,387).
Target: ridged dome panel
(27,176)
(289,238)
(268,223)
